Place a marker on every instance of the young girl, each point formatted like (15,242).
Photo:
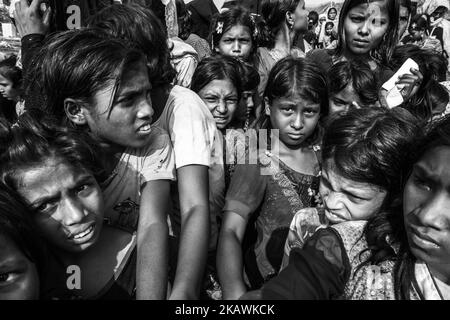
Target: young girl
(280,17)
(21,250)
(351,84)
(11,83)
(419,34)
(234,34)
(101,85)
(364,154)
(330,36)
(54,170)
(282,181)
(196,145)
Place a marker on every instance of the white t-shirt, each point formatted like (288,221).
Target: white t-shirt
(196,141)
(122,190)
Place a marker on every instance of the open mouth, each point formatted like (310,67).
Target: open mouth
(83,235)
(145,128)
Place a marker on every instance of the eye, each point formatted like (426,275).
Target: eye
(421,183)
(357,19)
(8,277)
(46,207)
(310,111)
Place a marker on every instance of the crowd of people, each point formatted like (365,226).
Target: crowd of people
(281,155)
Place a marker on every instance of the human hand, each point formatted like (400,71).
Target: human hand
(410,82)
(32,18)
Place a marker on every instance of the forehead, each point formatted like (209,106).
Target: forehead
(436,162)
(330,172)
(374,8)
(294,100)
(219,86)
(135,74)
(4,80)
(348,93)
(237,31)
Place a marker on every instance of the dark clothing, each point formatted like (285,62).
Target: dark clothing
(202,13)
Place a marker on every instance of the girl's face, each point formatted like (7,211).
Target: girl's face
(332,13)
(7,90)
(415,32)
(295,117)
(328,30)
(301,17)
(347,200)
(19,278)
(68,201)
(221,98)
(364,27)
(344,100)
(236,42)
(127,121)
(426,207)
(403,20)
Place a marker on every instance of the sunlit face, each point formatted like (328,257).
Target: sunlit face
(364,27)
(332,13)
(127,122)
(7,89)
(68,201)
(19,278)
(403,20)
(236,42)
(328,30)
(344,100)
(301,17)
(221,98)
(295,118)
(347,200)
(426,207)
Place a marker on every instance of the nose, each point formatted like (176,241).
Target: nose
(297,122)
(145,109)
(364,28)
(435,212)
(249,101)
(73,212)
(332,200)
(221,107)
(236,46)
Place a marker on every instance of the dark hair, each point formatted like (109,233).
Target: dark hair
(9,71)
(35,138)
(251,78)
(406,4)
(79,63)
(296,76)
(422,22)
(218,68)
(356,73)
(438,95)
(16,224)
(274,15)
(432,65)
(329,23)
(438,134)
(383,53)
(313,15)
(226,20)
(184,20)
(331,8)
(140,26)
(371,146)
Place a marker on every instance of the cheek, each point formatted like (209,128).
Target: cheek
(411,198)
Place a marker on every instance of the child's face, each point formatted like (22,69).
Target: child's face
(426,207)
(127,121)
(347,200)
(328,30)
(19,278)
(68,201)
(295,117)
(344,100)
(403,20)
(236,42)
(221,98)
(7,90)
(365,25)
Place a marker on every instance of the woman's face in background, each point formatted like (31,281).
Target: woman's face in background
(365,26)
(332,13)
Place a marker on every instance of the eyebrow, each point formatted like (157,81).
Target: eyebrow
(345,191)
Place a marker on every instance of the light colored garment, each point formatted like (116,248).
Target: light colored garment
(122,190)
(184,59)
(196,141)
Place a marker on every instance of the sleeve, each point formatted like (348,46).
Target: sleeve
(446,40)
(246,192)
(159,162)
(185,70)
(319,271)
(192,132)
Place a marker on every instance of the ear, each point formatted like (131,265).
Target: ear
(267,107)
(75,111)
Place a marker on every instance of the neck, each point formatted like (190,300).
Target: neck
(441,272)
(159,95)
(283,39)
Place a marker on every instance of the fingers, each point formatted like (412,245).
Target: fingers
(46,17)
(35,5)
